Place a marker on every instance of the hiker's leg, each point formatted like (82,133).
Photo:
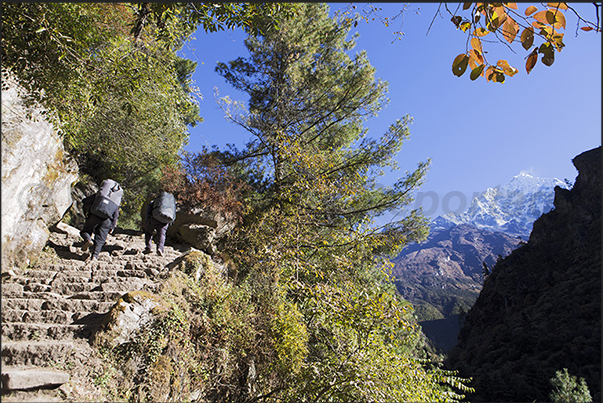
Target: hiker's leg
(89,226)
(100,236)
(161,231)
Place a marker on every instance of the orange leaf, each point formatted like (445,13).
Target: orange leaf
(541,16)
(532,60)
(476,44)
(587,28)
(496,19)
(511,5)
(510,29)
(559,20)
(531,10)
(481,32)
(538,24)
(466,6)
(489,73)
(560,6)
(506,68)
(477,56)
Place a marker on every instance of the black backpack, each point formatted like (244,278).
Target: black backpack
(107,200)
(164,208)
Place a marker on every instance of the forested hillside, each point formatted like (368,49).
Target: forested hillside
(307,310)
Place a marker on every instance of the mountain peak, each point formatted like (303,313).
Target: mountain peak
(511,208)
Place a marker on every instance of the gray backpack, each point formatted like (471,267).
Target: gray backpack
(108,199)
(164,208)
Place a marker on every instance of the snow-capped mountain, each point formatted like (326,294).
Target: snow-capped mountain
(511,208)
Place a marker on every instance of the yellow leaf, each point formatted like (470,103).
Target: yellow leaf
(559,20)
(530,10)
(506,68)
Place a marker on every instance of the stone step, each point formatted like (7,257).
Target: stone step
(73,305)
(31,295)
(72,277)
(89,295)
(63,288)
(19,316)
(100,296)
(23,303)
(43,353)
(42,331)
(10,289)
(47,271)
(32,379)
(128,285)
(55,316)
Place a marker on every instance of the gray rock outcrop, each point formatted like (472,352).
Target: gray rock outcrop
(37,176)
(200,228)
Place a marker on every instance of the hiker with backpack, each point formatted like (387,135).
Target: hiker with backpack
(160,213)
(103,211)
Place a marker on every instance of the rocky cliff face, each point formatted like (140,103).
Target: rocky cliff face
(36,177)
(540,309)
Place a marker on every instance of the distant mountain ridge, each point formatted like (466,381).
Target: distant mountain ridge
(442,276)
(511,208)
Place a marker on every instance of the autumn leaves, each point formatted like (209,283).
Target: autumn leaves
(501,19)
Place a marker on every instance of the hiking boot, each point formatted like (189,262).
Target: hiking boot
(146,251)
(87,244)
(160,252)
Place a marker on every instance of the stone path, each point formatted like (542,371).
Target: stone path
(50,310)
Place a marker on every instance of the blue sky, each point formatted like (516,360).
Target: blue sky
(478,134)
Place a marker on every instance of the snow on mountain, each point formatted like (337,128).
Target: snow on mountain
(511,208)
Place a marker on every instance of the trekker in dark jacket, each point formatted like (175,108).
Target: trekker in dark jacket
(98,226)
(152,224)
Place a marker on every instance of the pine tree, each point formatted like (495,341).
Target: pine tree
(310,247)
(568,389)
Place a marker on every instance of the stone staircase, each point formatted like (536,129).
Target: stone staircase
(51,308)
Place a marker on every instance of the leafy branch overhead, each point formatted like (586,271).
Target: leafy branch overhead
(506,23)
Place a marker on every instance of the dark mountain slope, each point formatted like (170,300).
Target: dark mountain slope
(540,309)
